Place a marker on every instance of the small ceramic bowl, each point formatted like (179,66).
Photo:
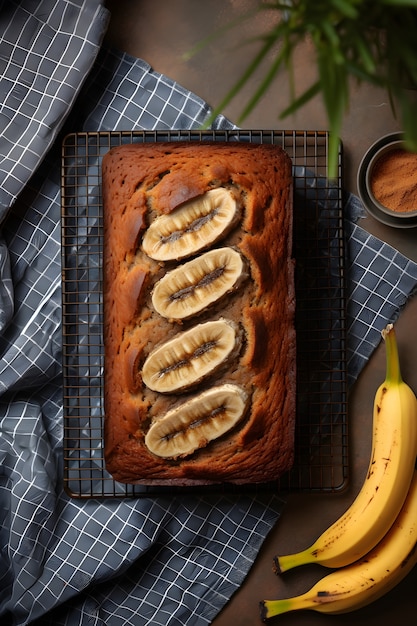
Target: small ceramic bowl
(379,150)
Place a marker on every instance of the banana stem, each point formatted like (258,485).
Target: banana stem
(272,608)
(305,601)
(393,371)
(286,562)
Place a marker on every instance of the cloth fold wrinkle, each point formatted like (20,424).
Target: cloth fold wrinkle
(6,287)
(168,561)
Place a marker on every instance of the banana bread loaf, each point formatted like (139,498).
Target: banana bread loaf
(199,302)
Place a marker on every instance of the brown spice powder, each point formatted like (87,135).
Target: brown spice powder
(394,180)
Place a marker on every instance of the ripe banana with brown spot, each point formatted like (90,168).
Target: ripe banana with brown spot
(391,467)
(357,585)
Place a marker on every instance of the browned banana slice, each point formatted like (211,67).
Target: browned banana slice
(196,422)
(190,356)
(194,286)
(193,226)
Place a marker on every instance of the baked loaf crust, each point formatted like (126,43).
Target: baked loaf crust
(243,431)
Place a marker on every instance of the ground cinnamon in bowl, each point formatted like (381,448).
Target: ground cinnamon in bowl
(393,180)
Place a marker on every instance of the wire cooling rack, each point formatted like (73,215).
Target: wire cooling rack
(321,439)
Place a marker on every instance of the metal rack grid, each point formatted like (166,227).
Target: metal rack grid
(321,453)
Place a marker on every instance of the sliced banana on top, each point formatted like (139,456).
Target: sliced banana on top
(191,356)
(191,227)
(194,286)
(196,422)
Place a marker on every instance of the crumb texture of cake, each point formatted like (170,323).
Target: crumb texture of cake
(199,306)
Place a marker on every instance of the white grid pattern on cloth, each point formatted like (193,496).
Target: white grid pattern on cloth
(380,281)
(45,54)
(33,239)
(137,561)
(181,579)
(139,98)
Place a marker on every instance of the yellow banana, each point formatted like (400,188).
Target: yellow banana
(363,582)
(391,467)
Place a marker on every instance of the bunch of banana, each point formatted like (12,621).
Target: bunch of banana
(363,582)
(381,523)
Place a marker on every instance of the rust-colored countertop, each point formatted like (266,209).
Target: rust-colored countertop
(160,32)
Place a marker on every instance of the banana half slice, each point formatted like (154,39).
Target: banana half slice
(194,286)
(191,356)
(193,226)
(196,422)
